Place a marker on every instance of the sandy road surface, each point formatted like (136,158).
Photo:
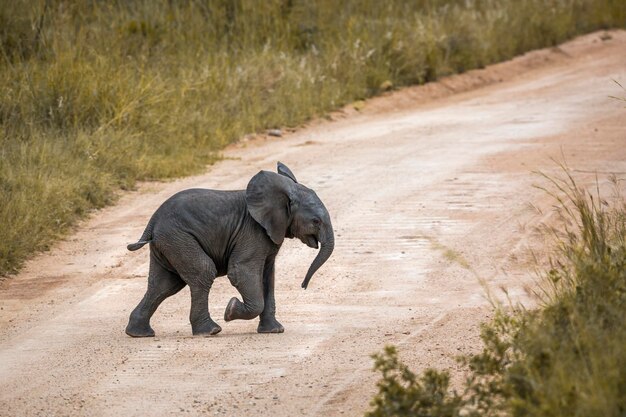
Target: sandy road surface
(428,189)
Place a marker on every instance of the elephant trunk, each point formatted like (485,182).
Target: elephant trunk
(327,244)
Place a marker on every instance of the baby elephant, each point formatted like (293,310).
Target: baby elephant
(198,234)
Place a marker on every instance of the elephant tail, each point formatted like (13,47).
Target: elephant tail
(145,238)
(138,245)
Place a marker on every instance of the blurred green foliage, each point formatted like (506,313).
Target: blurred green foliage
(565,359)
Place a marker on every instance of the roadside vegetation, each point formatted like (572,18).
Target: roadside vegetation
(97,95)
(566,358)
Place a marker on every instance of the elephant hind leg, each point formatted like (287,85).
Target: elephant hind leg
(198,270)
(201,322)
(161,285)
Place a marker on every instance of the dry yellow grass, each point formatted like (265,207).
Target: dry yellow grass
(96,95)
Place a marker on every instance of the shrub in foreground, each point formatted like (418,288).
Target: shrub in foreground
(566,358)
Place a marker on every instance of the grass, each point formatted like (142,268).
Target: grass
(565,359)
(97,95)
(450,254)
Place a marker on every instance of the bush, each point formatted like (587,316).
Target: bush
(567,358)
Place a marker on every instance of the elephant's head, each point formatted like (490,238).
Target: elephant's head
(287,209)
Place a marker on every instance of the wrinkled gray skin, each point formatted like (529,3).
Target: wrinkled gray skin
(200,234)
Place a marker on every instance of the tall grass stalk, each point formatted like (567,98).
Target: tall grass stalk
(96,95)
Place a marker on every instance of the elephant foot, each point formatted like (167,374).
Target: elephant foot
(206,328)
(236,310)
(231,309)
(134,330)
(270,325)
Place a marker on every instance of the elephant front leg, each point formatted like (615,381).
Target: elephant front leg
(247,278)
(268,322)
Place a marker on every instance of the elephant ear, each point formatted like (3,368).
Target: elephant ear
(268,197)
(283,170)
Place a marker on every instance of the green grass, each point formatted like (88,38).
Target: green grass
(97,95)
(565,359)
(450,254)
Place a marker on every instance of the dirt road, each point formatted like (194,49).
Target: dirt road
(430,188)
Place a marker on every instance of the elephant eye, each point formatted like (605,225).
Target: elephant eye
(316,221)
